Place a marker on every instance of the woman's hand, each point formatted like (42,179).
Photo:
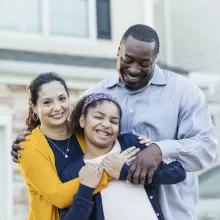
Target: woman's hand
(113,163)
(90,175)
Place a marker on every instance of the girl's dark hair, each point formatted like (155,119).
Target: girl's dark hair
(77,112)
(34,89)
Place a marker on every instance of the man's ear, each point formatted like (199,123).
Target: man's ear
(82,121)
(119,48)
(155,58)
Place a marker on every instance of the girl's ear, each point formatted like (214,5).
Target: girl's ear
(82,121)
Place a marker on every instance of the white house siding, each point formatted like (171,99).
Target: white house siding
(194,33)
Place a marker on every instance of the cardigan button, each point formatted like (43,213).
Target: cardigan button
(158,214)
(151,197)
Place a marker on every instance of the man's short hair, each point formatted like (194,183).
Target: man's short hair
(143,32)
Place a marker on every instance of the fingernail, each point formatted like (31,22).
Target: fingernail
(22,148)
(19,156)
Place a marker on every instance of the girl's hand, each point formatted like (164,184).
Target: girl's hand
(90,175)
(113,163)
(144,140)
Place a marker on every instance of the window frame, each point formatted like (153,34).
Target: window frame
(45,25)
(6,132)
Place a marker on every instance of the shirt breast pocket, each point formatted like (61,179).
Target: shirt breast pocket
(157,121)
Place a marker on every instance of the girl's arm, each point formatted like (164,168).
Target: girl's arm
(89,175)
(82,205)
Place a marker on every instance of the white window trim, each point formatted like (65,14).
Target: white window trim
(168,32)
(45,17)
(149,12)
(6,124)
(45,34)
(92,20)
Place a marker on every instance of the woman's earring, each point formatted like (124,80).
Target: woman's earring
(35,117)
(71,108)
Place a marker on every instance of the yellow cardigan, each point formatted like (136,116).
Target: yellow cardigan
(46,192)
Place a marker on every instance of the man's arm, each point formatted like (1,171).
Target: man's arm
(171,173)
(196,142)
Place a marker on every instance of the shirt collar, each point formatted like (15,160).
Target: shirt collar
(115,80)
(157,79)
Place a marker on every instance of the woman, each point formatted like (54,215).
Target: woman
(98,117)
(52,146)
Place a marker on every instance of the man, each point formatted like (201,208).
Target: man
(167,108)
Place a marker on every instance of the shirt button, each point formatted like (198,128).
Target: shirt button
(131,110)
(151,197)
(157,214)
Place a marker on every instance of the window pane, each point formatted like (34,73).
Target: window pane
(209,184)
(20,15)
(69,18)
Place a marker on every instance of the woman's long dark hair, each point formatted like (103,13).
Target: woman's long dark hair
(32,120)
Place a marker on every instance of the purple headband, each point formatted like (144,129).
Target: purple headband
(98,96)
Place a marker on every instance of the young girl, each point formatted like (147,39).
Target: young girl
(98,116)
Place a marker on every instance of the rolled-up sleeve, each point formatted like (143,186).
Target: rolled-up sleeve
(196,142)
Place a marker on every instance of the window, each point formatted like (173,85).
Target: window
(73,18)
(209,184)
(20,15)
(69,17)
(103,19)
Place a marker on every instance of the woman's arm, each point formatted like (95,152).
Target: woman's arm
(39,171)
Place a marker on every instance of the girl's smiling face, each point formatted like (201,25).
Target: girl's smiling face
(101,124)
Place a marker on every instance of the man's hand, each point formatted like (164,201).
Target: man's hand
(15,146)
(145,164)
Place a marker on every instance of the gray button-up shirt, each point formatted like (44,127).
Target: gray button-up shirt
(174,114)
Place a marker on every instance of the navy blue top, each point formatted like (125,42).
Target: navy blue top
(87,206)
(74,153)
